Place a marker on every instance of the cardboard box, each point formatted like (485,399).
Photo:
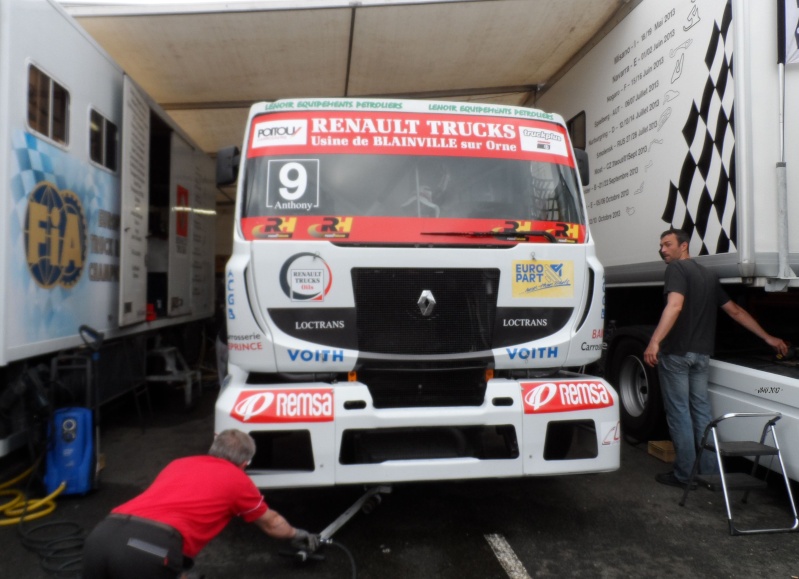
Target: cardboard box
(662,449)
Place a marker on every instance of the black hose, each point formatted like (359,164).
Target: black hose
(59,544)
(349,556)
(59,551)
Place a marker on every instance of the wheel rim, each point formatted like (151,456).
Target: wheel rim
(634,386)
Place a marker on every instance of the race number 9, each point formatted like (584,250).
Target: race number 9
(293,180)
(292,185)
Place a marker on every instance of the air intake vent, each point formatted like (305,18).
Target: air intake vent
(425,311)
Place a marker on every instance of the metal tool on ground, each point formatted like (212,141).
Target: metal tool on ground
(366,503)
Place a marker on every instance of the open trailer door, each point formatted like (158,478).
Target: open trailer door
(134,205)
(182,200)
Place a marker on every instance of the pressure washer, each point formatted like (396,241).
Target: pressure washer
(73,432)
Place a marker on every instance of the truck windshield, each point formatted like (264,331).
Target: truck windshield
(411,186)
(409,177)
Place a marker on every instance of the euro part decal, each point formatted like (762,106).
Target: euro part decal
(279,406)
(543,279)
(306,277)
(55,236)
(566,396)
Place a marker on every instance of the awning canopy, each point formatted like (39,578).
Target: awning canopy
(206,62)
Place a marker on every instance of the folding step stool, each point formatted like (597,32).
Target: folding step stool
(741,481)
(175,369)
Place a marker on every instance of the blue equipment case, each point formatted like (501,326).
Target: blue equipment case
(70,452)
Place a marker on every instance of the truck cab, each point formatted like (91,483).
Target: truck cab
(412,287)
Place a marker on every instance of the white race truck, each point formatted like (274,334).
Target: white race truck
(411,284)
(680,109)
(108,213)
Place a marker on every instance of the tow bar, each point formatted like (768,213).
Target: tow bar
(367,503)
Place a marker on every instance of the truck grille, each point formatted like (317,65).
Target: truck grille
(391,321)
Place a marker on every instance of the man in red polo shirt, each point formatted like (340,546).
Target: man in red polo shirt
(158,533)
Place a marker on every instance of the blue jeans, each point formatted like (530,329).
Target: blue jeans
(683,384)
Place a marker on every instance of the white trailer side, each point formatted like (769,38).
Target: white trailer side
(679,108)
(72,253)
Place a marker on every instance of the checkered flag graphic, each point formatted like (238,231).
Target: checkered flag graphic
(702,202)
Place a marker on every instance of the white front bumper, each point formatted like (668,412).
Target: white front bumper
(503,406)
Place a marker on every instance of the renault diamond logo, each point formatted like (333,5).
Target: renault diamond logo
(426,303)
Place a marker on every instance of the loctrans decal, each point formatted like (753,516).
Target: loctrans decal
(565,396)
(545,279)
(284,405)
(381,133)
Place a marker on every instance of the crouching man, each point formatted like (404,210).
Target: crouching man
(158,533)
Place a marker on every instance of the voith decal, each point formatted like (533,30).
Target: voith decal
(279,406)
(565,397)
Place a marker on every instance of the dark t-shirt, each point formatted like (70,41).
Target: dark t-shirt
(695,328)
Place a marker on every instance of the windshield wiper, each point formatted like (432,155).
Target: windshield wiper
(506,235)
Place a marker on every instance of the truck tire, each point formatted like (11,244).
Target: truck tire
(638,387)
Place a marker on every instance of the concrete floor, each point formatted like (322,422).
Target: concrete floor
(621,524)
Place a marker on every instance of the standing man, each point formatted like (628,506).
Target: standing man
(158,533)
(681,347)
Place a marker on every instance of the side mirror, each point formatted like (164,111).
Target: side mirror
(582,166)
(227,166)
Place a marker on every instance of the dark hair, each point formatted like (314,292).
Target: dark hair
(682,237)
(234,445)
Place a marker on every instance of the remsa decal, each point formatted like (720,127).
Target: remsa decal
(306,277)
(276,406)
(544,279)
(55,236)
(565,396)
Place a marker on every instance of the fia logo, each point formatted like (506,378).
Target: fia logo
(55,236)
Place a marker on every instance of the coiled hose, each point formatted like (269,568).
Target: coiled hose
(58,544)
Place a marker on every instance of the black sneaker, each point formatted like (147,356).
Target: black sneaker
(668,478)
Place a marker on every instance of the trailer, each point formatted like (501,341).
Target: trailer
(680,108)
(108,217)
(412,291)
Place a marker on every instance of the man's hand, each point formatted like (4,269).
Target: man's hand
(779,345)
(651,354)
(305,541)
